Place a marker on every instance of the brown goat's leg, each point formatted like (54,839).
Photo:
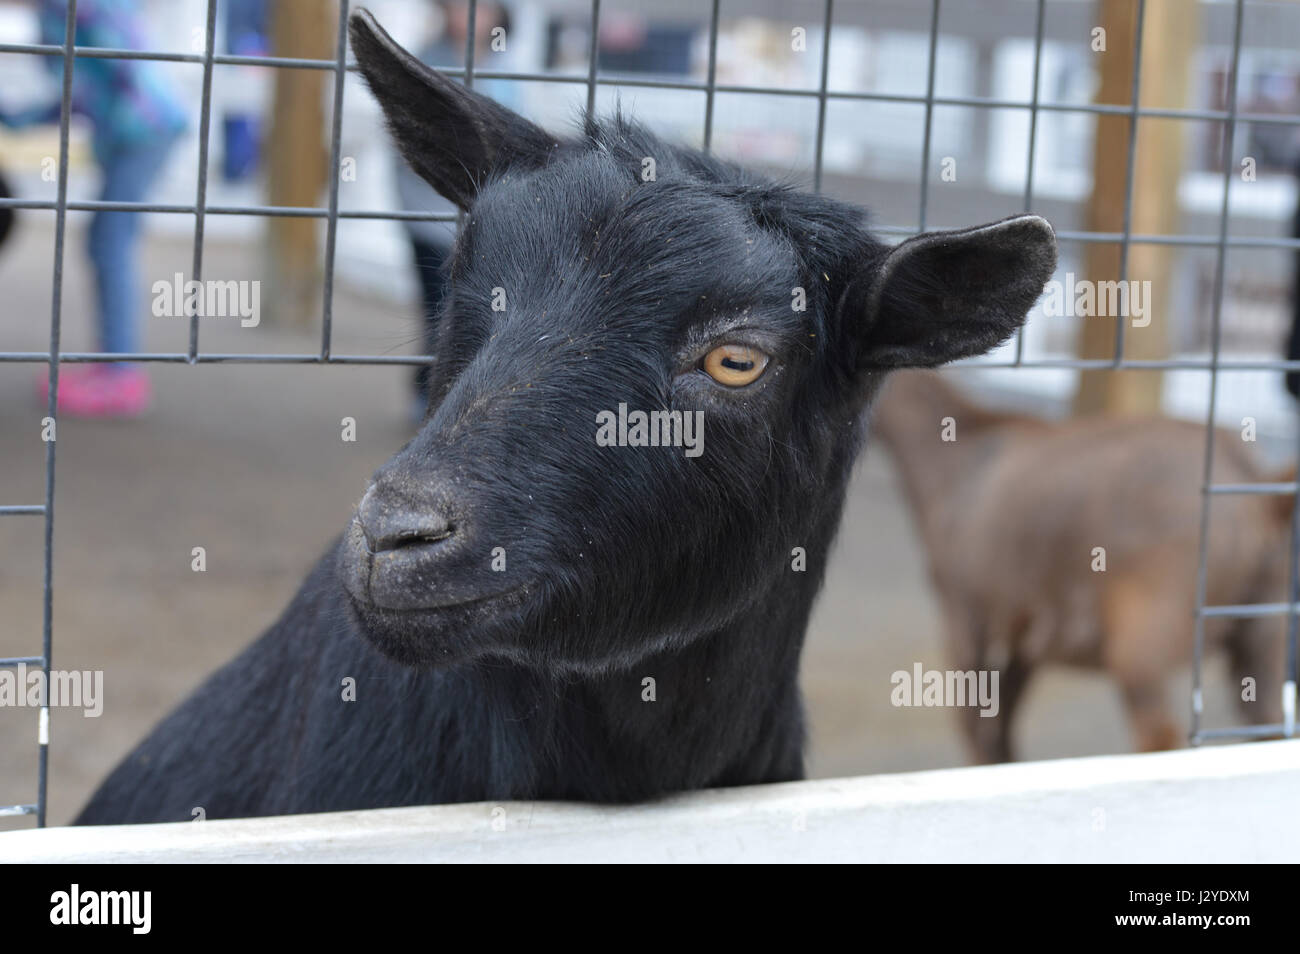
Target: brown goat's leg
(1154,729)
(1256,652)
(994,733)
(966,640)
(1145,632)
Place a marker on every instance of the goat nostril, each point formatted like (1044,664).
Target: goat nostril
(386,534)
(388,524)
(406,538)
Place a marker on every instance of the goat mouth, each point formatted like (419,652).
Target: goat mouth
(434,636)
(510,597)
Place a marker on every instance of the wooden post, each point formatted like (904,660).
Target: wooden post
(1169,41)
(297,158)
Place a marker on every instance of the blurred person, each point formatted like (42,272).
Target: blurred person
(241,126)
(1293,341)
(6,215)
(431,241)
(136,121)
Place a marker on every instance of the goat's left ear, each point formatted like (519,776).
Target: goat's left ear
(946,295)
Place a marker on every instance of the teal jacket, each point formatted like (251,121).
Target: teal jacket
(129,103)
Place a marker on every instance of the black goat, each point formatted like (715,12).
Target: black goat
(527,611)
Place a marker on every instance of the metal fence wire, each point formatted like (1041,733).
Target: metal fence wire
(1230,117)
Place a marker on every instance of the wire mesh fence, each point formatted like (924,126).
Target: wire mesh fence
(1231,118)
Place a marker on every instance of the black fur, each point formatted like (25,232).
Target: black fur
(622,563)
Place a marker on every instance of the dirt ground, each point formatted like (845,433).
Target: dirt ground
(246,461)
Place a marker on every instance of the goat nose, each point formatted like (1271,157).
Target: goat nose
(391,521)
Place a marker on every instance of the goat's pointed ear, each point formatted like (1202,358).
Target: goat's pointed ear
(451,136)
(941,296)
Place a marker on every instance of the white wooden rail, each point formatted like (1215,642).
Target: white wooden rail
(1229,803)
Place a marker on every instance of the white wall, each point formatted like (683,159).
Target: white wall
(1230,803)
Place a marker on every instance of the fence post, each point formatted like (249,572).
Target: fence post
(1136,168)
(297,159)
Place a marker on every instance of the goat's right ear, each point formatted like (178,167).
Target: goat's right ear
(941,296)
(451,136)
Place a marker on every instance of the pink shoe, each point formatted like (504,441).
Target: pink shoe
(101,391)
(70,375)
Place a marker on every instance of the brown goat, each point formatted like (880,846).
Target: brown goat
(1011,508)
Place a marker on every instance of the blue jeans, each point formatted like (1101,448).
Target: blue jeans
(112,244)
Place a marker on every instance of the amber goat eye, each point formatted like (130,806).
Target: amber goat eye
(735,365)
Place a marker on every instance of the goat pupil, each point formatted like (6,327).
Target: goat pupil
(737,365)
